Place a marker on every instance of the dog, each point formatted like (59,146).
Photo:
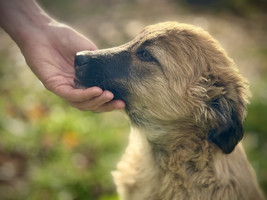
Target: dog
(186,102)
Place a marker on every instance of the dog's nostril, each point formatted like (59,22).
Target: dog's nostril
(80,60)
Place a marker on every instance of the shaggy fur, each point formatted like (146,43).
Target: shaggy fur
(186,102)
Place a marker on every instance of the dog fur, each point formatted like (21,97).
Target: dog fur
(186,101)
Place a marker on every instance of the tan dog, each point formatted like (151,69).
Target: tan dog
(186,102)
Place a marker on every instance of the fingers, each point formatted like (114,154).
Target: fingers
(93,99)
(102,103)
(105,107)
(113,105)
(93,103)
(78,95)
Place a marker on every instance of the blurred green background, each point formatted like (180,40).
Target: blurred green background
(49,150)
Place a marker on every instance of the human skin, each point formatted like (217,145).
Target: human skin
(49,48)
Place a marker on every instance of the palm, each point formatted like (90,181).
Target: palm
(51,58)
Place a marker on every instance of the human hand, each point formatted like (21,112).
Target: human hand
(50,54)
(49,49)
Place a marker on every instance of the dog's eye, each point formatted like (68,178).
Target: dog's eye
(144,55)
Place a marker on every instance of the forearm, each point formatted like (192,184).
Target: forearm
(20,18)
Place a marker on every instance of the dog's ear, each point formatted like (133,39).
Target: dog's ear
(228,128)
(223,108)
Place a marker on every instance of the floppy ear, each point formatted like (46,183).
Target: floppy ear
(228,129)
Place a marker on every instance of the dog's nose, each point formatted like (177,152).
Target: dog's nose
(80,60)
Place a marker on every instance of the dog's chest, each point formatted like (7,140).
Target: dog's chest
(137,174)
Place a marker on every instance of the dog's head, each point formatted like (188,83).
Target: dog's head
(172,72)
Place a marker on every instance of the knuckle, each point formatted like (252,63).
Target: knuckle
(94,108)
(81,108)
(96,111)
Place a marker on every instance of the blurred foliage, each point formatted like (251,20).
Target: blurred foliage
(66,154)
(238,7)
(49,150)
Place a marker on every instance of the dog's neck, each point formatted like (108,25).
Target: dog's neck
(171,164)
(179,152)
(179,156)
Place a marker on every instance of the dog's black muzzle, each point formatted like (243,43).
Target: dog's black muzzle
(104,69)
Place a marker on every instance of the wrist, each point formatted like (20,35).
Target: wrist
(22,18)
